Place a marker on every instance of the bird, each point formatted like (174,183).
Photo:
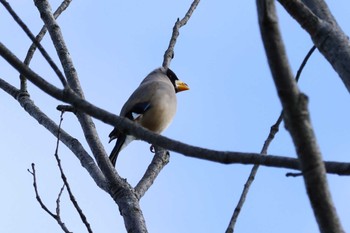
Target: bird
(152,105)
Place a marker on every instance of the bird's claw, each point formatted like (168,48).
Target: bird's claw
(152,149)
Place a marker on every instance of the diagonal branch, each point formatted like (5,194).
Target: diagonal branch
(64,5)
(169,53)
(37,43)
(66,183)
(72,143)
(85,121)
(56,216)
(160,159)
(315,17)
(273,131)
(121,191)
(297,120)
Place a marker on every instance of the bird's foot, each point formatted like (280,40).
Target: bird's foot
(152,149)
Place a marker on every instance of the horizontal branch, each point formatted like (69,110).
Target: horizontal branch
(127,126)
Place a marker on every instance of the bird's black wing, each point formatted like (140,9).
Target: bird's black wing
(136,111)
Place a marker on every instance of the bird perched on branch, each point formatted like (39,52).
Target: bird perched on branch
(152,105)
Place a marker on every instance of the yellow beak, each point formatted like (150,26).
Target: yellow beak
(181,86)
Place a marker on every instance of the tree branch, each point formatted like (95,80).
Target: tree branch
(160,159)
(320,8)
(64,5)
(119,189)
(56,216)
(326,34)
(273,131)
(72,143)
(37,43)
(85,121)
(297,120)
(156,139)
(169,53)
(65,181)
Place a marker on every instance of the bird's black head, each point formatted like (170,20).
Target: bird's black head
(178,84)
(172,77)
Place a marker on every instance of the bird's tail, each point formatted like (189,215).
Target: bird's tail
(122,141)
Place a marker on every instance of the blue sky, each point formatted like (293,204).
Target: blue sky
(231,106)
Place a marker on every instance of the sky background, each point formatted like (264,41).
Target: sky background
(231,106)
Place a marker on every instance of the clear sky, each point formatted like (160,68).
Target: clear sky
(231,106)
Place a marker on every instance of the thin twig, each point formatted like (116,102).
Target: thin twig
(273,131)
(65,181)
(56,216)
(37,43)
(64,5)
(169,53)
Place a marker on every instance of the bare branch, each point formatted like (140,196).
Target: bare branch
(121,192)
(60,45)
(297,120)
(37,43)
(72,143)
(65,181)
(169,53)
(320,8)
(156,139)
(64,5)
(326,34)
(273,131)
(26,71)
(85,121)
(56,216)
(160,159)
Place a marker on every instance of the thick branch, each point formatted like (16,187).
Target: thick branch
(297,120)
(326,34)
(86,122)
(64,5)
(120,190)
